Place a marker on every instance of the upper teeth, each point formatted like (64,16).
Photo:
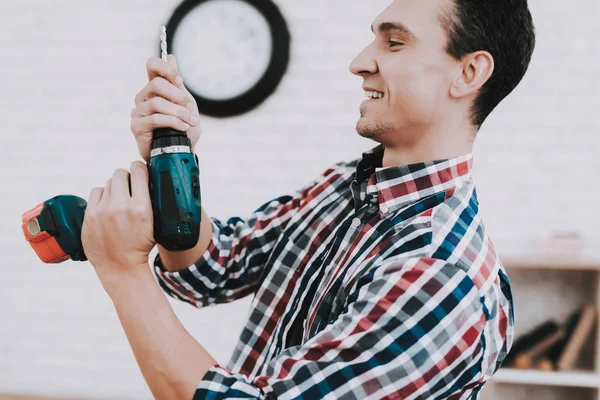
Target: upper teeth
(373,94)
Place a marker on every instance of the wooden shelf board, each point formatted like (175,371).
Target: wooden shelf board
(583,379)
(550,263)
(551,254)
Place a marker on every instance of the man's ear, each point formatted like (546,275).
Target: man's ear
(476,70)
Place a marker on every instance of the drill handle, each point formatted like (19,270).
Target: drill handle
(174,184)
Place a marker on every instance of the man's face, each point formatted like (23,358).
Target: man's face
(408,66)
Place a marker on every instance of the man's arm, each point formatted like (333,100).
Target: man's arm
(170,359)
(117,236)
(231,255)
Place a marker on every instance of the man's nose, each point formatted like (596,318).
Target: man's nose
(364,63)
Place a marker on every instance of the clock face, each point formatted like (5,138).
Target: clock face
(224,48)
(232,54)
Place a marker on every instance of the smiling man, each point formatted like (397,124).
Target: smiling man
(376,280)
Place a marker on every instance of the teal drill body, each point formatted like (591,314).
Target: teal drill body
(174,183)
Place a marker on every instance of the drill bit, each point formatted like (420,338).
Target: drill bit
(163,42)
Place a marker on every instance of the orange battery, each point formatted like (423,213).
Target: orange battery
(42,242)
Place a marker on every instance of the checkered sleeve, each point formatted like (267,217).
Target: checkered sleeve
(410,329)
(237,254)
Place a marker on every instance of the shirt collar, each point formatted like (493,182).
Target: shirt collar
(398,186)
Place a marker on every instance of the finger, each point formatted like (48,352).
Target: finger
(95,196)
(152,122)
(139,183)
(190,97)
(120,186)
(163,88)
(157,67)
(106,193)
(158,105)
(173,60)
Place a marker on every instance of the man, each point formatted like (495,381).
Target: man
(376,280)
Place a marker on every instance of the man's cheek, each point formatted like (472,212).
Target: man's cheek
(409,104)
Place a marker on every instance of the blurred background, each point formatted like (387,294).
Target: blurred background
(69,71)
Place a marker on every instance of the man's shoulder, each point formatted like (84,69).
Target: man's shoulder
(456,221)
(337,174)
(459,234)
(341,167)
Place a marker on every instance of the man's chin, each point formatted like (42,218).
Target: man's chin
(370,129)
(366,128)
(365,131)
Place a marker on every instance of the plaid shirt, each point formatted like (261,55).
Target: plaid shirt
(368,283)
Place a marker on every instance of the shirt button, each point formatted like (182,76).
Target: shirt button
(356,222)
(384,209)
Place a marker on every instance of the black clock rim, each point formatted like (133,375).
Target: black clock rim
(272,76)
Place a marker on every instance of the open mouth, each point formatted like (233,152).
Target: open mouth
(373,95)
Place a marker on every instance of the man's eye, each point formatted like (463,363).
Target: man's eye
(391,43)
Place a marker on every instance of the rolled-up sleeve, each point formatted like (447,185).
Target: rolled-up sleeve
(410,329)
(237,254)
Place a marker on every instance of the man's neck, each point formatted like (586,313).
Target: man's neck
(435,149)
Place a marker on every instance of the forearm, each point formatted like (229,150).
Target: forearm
(171,360)
(177,260)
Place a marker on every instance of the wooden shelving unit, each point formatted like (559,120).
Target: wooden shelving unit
(570,271)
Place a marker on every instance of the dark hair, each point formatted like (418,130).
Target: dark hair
(505,29)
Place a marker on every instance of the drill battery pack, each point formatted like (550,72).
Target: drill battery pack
(53,229)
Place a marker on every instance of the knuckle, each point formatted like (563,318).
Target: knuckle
(184,97)
(183,113)
(150,63)
(155,103)
(120,171)
(93,214)
(140,96)
(139,211)
(154,120)
(133,126)
(117,210)
(156,82)
(137,164)
(90,214)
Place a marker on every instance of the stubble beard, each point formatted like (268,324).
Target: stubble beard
(373,128)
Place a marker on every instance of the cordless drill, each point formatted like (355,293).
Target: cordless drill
(53,228)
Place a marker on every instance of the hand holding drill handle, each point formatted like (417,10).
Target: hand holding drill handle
(163,103)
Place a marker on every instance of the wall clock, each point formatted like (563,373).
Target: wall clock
(232,54)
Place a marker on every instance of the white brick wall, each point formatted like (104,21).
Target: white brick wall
(69,71)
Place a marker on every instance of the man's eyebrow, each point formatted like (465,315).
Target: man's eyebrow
(394,26)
